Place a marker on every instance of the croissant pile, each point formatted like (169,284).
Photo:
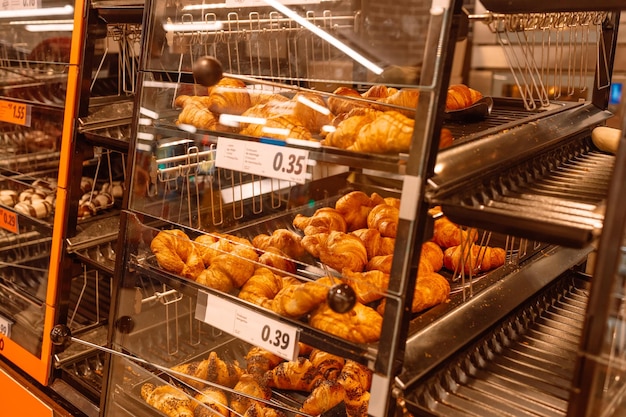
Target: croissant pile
(380,120)
(326,380)
(355,239)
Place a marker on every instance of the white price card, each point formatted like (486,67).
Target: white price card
(264,159)
(20,4)
(248,325)
(5,327)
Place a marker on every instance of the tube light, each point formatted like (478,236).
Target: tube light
(326,36)
(46,11)
(54,27)
(193,27)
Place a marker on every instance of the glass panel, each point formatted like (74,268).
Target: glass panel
(23,283)
(607,394)
(34,55)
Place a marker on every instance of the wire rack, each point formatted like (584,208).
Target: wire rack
(550,55)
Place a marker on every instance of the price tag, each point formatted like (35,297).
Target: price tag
(272,335)
(5,327)
(16,113)
(20,4)
(272,161)
(8,220)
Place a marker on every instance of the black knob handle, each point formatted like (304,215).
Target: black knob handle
(207,71)
(341,298)
(61,335)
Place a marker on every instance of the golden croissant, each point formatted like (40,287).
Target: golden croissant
(167,399)
(311,110)
(432,253)
(276,259)
(473,258)
(356,381)
(259,361)
(354,207)
(431,289)
(299,299)
(391,132)
(384,218)
(223,372)
(326,395)
(368,286)
(343,251)
(253,386)
(196,369)
(375,244)
(379,91)
(347,131)
(405,98)
(261,287)
(339,105)
(212,401)
(279,127)
(261,410)
(327,364)
(298,375)
(461,96)
(176,253)
(287,241)
(229,99)
(238,264)
(324,220)
(447,234)
(362,324)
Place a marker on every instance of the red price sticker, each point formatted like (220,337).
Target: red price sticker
(16,113)
(8,220)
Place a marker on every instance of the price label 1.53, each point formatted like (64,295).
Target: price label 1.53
(248,325)
(16,113)
(266,160)
(8,220)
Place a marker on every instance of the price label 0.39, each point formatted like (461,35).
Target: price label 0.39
(250,326)
(16,113)
(264,159)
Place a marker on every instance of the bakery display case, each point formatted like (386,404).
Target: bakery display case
(34,91)
(64,120)
(317,222)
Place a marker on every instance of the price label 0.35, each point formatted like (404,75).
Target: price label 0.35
(248,325)
(16,113)
(264,159)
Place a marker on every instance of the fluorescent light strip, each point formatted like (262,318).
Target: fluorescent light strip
(149,113)
(145,136)
(48,11)
(326,36)
(56,27)
(235,120)
(193,27)
(40,22)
